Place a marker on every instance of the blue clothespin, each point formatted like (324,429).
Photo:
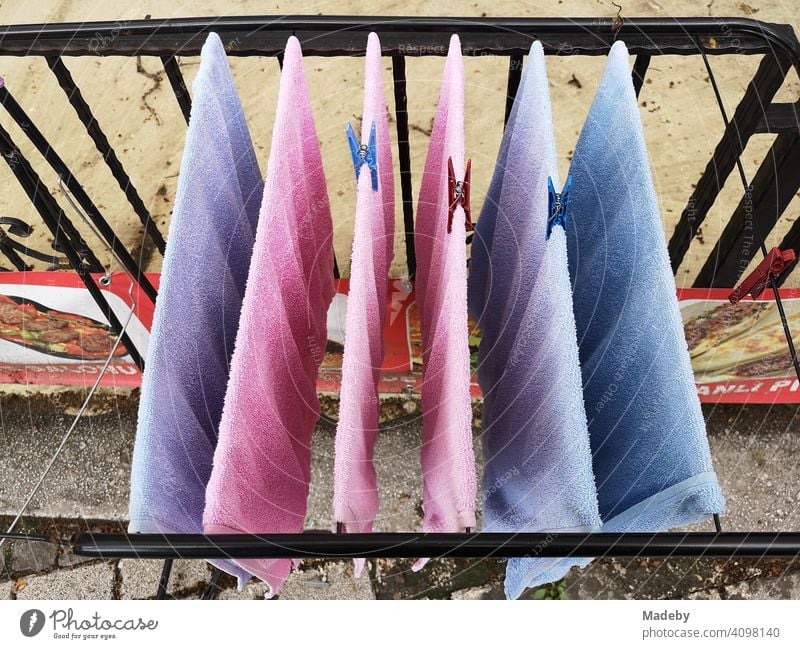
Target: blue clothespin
(364,154)
(558,204)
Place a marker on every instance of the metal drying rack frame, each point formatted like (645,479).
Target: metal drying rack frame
(764,201)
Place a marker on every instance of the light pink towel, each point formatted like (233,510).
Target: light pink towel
(448,461)
(355,497)
(260,480)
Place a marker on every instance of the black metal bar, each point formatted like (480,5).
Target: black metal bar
(406,545)
(759,236)
(12,255)
(404,156)
(66,233)
(780,118)
(56,221)
(163,582)
(100,140)
(400,35)
(773,187)
(762,88)
(514,78)
(640,66)
(55,161)
(213,585)
(175,77)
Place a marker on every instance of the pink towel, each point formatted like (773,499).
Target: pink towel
(355,497)
(260,480)
(448,461)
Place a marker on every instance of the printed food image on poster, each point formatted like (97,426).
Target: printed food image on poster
(739,351)
(52,332)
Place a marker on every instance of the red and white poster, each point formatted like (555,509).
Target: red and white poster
(52,332)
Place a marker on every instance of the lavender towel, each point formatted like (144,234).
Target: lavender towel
(538,465)
(197,313)
(651,457)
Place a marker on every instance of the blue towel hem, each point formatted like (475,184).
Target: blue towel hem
(547,570)
(663,510)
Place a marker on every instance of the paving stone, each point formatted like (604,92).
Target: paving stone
(476,592)
(329,580)
(68,560)
(640,578)
(254,589)
(675,578)
(139,578)
(89,581)
(33,556)
(713,594)
(92,476)
(786,587)
(394,578)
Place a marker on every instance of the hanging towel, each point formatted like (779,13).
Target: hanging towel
(448,462)
(355,499)
(197,312)
(651,457)
(538,464)
(262,465)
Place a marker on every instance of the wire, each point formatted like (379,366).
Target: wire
(94,387)
(39,538)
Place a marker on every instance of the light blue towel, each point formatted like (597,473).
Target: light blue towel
(651,457)
(538,465)
(197,312)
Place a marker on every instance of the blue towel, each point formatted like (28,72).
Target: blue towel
(651,458)
(197,312)
(538,465)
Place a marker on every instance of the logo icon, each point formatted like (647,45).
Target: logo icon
(31,622)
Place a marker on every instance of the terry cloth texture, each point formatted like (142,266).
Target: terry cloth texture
(262,465)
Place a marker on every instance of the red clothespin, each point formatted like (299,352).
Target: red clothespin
(458,193)
(771,266)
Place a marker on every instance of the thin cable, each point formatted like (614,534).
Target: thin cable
(88,224)
(748,189)
(96,385)
(39,538)
(75,421)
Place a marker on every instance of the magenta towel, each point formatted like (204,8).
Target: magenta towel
(355,496)
(448,461)
(261,473)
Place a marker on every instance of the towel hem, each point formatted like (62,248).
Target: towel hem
(660,506)
(548,570)
(274,583)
